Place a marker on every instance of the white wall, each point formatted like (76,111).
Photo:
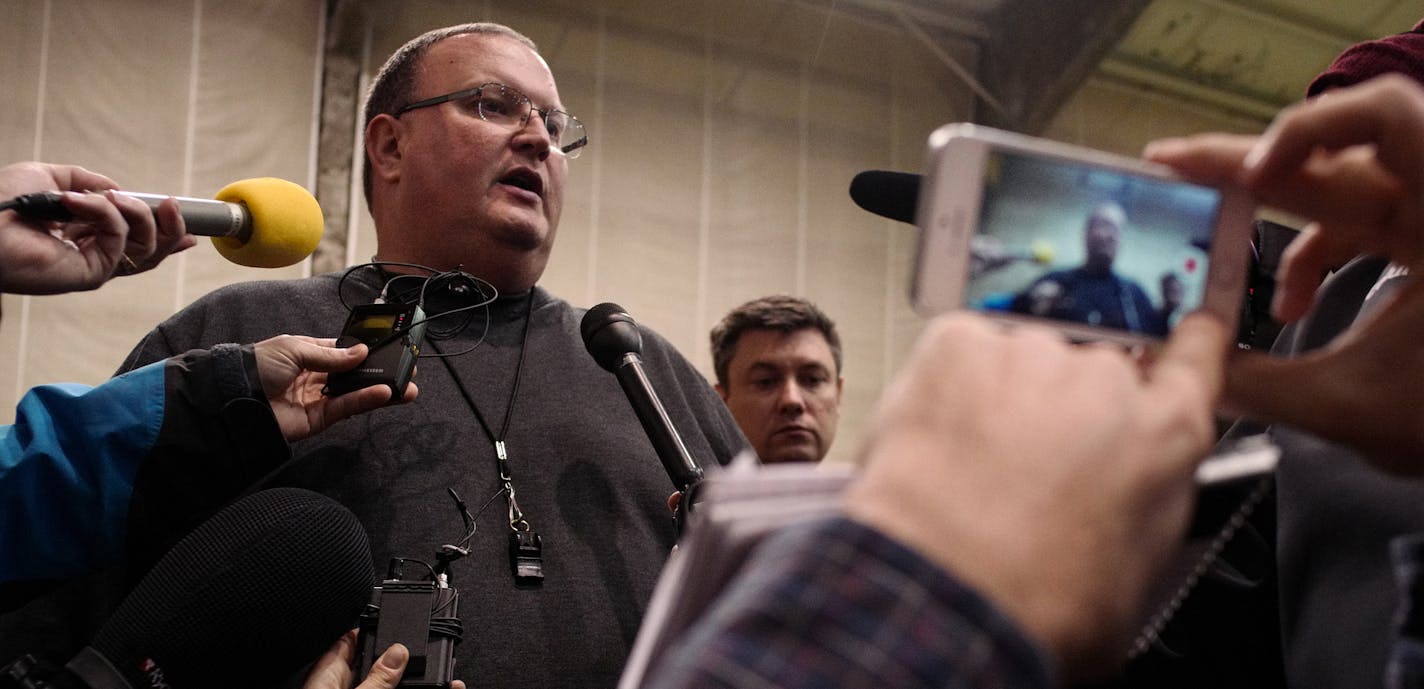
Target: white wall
(175,96)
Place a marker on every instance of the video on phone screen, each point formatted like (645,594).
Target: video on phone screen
(1090,245)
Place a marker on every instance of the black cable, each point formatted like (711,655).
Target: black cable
(486,291)
(44,205)
(422,563)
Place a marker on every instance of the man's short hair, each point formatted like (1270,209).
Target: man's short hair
(395,82)
(782,313)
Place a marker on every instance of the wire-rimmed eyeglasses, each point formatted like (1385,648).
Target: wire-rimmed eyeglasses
(500,104)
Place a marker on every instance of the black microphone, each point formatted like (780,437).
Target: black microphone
(613,338)
(262,222)
(895,195)
(248,599)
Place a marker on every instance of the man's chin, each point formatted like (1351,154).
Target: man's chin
(792,455)
(521,234)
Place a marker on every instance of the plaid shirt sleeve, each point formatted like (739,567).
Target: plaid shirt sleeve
(836,604)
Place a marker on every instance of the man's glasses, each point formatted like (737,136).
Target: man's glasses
(500,104)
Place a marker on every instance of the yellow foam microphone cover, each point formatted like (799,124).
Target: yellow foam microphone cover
(1042,252)
(286,223)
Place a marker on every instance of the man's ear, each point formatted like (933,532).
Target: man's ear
(383,147)
(720,392)
(840,387)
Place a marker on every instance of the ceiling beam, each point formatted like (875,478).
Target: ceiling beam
(1041,51)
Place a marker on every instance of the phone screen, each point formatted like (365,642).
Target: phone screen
(1080,243)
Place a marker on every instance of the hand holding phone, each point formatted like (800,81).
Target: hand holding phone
(1102,247)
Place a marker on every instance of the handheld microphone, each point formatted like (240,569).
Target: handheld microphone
(894,195)
(613,338)
(988,253)
(262,222)
(247,599)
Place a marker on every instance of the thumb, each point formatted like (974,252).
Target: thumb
(316,357)
(387,670)
(1196,351)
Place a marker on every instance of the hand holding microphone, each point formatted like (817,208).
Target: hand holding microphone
(97,236)
(262,222)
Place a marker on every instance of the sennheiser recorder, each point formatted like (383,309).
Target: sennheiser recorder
(393,332)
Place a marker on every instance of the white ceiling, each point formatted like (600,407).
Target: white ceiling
(1244,57)
(1248,56)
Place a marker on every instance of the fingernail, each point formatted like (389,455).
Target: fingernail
(1159,146)
(395,657)
(1257,153)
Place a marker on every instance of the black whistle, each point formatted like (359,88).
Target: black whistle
(526,558)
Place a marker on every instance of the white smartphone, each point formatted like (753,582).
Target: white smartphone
(1101,246)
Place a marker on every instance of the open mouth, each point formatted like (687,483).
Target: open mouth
(525,179)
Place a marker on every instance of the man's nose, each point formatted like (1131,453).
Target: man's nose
(534,133)
(791,398)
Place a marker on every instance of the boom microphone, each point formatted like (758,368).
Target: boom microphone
(262,222)
(613,338)
(248,599)
(895,195)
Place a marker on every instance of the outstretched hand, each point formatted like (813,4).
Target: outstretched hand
(110,233)
(294,369)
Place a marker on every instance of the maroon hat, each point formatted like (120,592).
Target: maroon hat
(1402,53)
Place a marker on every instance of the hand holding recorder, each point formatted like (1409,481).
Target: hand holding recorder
(295,369)
(333,670)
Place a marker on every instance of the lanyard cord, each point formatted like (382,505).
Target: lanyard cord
(516,517)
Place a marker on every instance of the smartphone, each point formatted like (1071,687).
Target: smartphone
(1102,247)
(394,333)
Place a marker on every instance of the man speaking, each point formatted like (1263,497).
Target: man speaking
(1092,293)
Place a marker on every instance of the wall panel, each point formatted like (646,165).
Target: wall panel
(177,96)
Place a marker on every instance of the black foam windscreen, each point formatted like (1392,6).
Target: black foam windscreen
(609,333)
(247,599)
(895,195)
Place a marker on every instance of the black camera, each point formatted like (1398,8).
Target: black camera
(423,615)
(393,332)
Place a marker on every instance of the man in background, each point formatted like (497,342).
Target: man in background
(778,366)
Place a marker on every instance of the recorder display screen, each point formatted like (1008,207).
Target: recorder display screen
(1092,245)
(373,327)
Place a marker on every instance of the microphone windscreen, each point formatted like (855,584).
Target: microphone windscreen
(286,223)
(895,195)
(247,599)
(610,333)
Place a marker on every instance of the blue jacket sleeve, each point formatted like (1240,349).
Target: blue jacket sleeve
(160,447)
(67,470)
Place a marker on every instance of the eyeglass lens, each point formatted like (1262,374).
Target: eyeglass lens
(504,105)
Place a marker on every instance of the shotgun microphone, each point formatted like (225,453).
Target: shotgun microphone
(248,599)
(894,195)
